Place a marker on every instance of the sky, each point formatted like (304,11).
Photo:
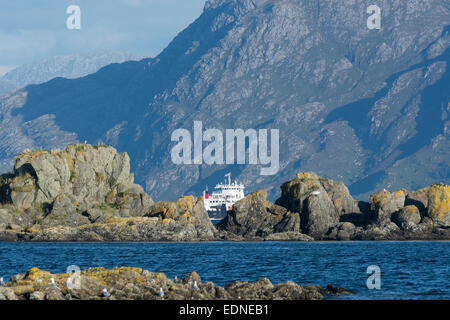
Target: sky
(34,30)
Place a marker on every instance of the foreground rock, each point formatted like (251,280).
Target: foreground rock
(137,284)
(86,193)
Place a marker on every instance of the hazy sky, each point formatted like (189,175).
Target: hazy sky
(32,30)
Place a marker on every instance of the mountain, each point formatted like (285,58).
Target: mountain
(366,107)
(71,66)
(6,86)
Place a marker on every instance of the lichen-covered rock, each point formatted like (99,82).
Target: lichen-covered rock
(84,174)
(134,283)
(319,201)
(340,196)
(73,187)
(417,198)
(407,217)
(288,236)
(388,231)
(438,208)
(343,231)
(432,202)
(127,229)
(326,210)
(255,216)
(384,203)
(263,289)
(87,193)
(188,209)
(7,294)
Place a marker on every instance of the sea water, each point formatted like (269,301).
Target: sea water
(409,270)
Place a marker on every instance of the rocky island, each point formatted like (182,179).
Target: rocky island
(316,208)
(137,284)
(87,193)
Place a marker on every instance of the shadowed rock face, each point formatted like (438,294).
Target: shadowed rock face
(324,209)
(137,284)
(407,218)
(255,216)
(320,202)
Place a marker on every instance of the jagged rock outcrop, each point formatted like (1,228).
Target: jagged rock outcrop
(137,284)
(326,210)
(384,203)
(407,218)
(412,207)
(438,208)
(319,201)
(407,215)
(86,193)
(188,209)
(80,176)
(254,216)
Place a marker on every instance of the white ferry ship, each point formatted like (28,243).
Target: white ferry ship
(223,197)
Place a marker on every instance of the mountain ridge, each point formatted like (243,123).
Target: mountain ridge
(68,66)
(288,65)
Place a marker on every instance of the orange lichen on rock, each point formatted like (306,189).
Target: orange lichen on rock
(439,203)
(379,197)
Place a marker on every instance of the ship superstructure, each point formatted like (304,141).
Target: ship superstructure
(223,197)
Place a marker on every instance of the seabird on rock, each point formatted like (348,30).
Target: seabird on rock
(195,286)
(69,283)
(54,285)
(2,283)
(176,279)
(315,192)
(161,292)
(105,293)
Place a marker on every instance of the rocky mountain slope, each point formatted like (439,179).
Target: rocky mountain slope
(6,86)
(366,107)
(71,66)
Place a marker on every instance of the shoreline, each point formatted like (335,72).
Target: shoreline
(237,241)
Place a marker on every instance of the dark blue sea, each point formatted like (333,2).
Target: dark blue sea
(409,270)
